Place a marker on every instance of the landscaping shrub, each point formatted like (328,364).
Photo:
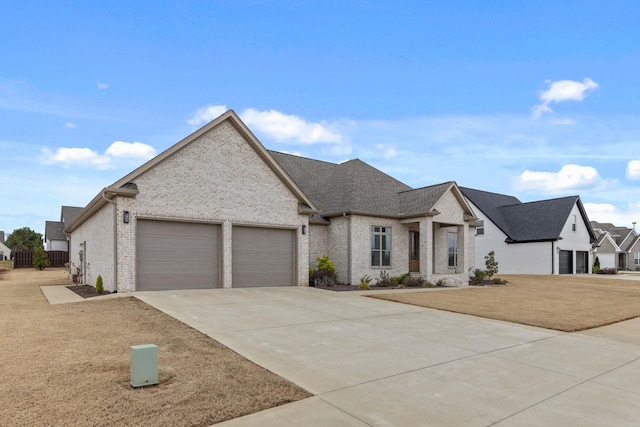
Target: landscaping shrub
(365,280)
(364,286)
(99,285)
(396,280)
(608,270)
(40,259)
(413,282)
(323,278)
(384,280)
(324,263)
(477,276)
(596,266)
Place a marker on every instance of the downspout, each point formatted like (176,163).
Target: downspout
(552,257)
(348,218)
(115,242)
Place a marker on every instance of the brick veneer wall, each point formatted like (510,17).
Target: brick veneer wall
(217,178)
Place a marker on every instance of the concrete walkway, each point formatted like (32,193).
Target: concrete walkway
(378,363)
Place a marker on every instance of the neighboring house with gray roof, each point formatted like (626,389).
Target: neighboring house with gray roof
(543,237)
(54,235)
(369,222)
(617,247)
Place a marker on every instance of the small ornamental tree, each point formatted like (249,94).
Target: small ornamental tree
(40,259)
(99,285)
(491,264)
(596,265)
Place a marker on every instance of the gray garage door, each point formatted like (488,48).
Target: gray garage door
(263,257)
(566,262)
(177,255)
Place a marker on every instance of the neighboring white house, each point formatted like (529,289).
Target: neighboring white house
(5,252)
(544,237)
(219,210)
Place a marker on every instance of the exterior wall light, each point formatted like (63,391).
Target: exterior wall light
(304,229)
(125,217)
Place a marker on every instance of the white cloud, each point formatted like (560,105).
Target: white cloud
(604,212)
(387,151)
(103,86)
(569,179)
(275,124)
(86,157)
(206,114)
(285,127)
(131,149)
(70,125)
(76,157)
(633,169)
(560,91)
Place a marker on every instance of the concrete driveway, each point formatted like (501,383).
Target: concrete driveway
(378,363)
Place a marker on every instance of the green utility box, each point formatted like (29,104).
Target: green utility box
(144,365)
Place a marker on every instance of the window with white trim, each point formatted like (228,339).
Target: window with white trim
(380,246)
(480,228)
(636,258)
(574,225)
(452,239)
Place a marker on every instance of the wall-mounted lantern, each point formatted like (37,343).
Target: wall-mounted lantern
(125,217)
(304,229)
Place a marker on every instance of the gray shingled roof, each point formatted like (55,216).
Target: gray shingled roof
(617,233)
(54,230)
(356,187)
(68,214)
(489,204)
(526,222)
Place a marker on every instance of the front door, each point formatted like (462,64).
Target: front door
(414,251)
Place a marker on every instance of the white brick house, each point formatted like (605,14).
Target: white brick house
(370,222)
(219,210)
(214,210)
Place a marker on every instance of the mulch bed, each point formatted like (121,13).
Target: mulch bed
(86,291)
(342,287)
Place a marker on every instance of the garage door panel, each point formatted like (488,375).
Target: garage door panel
(174,255)
(263,257)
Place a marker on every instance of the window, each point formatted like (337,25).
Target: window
(636,258)
(452,239)
(574,225)
(480,228)
(380,246)
(415,245)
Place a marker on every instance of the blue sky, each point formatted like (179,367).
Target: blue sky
(532,99)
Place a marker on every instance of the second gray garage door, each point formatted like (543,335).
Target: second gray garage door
(263,257)
(177,255)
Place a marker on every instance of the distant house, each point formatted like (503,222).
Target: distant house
(544,237)
(5,252)
(54,235)
(617,247)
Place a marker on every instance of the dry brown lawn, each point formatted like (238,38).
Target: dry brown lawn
(69,364)
(564,303)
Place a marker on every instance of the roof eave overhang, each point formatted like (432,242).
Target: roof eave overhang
(101,199)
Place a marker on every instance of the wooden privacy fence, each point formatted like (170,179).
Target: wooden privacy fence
(24,259)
